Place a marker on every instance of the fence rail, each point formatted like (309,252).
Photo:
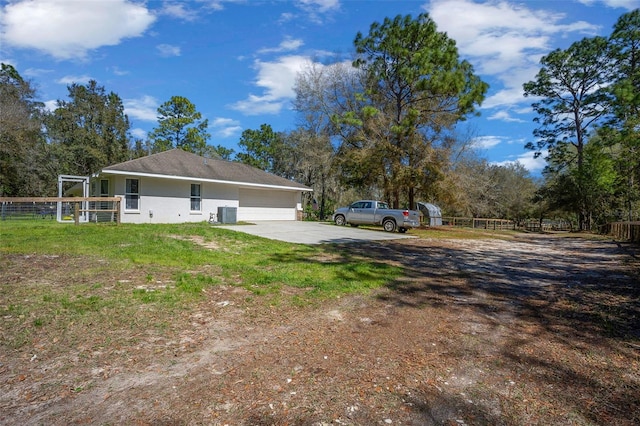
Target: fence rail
(547,225)
(65,209)
(629,231)
(480,223)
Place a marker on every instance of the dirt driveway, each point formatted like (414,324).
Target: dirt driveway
(537,330)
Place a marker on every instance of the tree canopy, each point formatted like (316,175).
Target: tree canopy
(588,114)
(263,149)
(21,139)
(180,125)
(89,131)
(415,88)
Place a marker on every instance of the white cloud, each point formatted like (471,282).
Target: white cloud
(51,105)
(315,8)
(277,80)
(118,71)
(505,116)
(223,122)
(144,108)
(139,133)
(533,165)
(502,39)
(167,50)
(225,127)
(70,29)
(179,11)
(486,142)
(71,79)
(219,4)
(256,105)
(287,45)
(35,72)
(320,5)
(625,4)
(286,17)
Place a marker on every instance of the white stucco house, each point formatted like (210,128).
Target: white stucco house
(177,186)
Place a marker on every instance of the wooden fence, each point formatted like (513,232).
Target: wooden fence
(628,231)
(480,223)
(547,225)
(75,208)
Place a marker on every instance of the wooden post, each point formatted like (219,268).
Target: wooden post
(76,213)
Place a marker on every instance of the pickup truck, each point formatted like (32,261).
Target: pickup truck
(370,212)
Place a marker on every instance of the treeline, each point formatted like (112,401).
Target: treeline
(383,125)
(587,100)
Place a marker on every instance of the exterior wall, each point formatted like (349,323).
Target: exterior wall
(265,204)
(168,201)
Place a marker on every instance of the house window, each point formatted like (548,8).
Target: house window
(104,192)
(104,188)
(132,195)
(196,198)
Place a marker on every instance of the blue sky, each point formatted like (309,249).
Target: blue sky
(237,60)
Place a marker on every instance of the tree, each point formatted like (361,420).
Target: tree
(88,132)
(416,88)
(265,150)
(222,152)
(180,125)
(570,87)
(622,133)
(481,189)
(589,188)
(22,171)
(311,162)
(322,92)
(515,191)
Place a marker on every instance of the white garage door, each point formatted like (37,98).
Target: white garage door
(267,205)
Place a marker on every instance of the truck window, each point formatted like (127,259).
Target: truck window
(357,205)
(383,206)
(367,205)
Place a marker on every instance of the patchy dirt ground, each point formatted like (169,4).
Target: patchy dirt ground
(537,330)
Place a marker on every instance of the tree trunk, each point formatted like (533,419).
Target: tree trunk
(323,191)
(412,195)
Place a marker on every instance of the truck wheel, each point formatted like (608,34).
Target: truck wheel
(340,220)
(389,225)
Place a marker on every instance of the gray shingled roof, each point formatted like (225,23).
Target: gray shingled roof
(179,163)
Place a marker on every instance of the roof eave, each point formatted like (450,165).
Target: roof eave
(192,178)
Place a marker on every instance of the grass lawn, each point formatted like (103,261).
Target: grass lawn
(114,271)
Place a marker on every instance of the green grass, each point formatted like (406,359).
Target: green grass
(132,276)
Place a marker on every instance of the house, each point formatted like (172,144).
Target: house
(177,186)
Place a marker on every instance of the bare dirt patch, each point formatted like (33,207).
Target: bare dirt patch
(536,330)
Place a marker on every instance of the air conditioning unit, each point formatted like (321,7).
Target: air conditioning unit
(227,214)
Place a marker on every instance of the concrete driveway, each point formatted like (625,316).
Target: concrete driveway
(314,232)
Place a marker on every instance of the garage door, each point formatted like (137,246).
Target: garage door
(267,205)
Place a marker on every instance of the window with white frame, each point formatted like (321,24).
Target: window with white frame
(196,197)
(132,195)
